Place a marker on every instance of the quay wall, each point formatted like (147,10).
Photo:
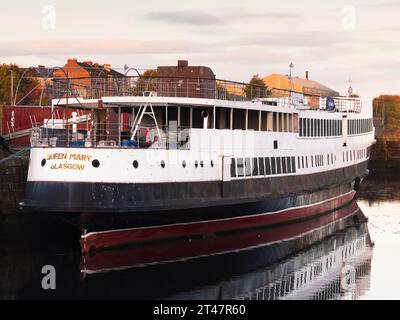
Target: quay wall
(13,175)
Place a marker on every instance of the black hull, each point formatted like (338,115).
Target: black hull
(119,197)
(100,207)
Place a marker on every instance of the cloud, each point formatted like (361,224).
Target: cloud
(104,46)
(185,17)
(197,18)
(292,39)
(387,4)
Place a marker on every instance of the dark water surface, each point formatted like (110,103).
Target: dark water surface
(338,256)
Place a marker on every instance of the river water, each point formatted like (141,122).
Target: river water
(352,253)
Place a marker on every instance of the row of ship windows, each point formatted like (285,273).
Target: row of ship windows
(332,128)
(356,154)
(360,126)
(246,167)
(315,161)
(320,128)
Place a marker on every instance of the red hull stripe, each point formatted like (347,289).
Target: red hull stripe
(98,240)
(171,251)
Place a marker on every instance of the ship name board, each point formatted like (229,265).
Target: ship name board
(68,157)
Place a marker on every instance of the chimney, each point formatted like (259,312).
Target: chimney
(72,61)
(183,63)
(307,75)
(107,67)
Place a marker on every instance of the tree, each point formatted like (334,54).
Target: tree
(28,92)
(146,82)
(256,88)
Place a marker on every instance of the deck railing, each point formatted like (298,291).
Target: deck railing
(109,136)
(205,88)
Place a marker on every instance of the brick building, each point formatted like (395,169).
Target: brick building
(90,80)
(186,81)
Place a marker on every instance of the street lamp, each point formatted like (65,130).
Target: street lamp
(127,69)
(12,88)
(291,66)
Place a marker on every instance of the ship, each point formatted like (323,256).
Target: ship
(179,153)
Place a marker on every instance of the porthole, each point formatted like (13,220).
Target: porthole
(212,164)
(184,163)
(163,164)
(202,163)
(135,164)
(43,162)
(96,163)
(196,164)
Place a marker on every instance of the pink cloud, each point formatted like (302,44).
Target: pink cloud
(110,46)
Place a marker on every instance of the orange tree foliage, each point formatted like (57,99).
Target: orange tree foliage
(387,121)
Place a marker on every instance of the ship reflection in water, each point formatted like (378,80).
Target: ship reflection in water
(331,257)
(325,258)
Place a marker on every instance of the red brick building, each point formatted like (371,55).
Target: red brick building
(90,80)
(186,81)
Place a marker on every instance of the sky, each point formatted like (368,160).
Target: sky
(336,41)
